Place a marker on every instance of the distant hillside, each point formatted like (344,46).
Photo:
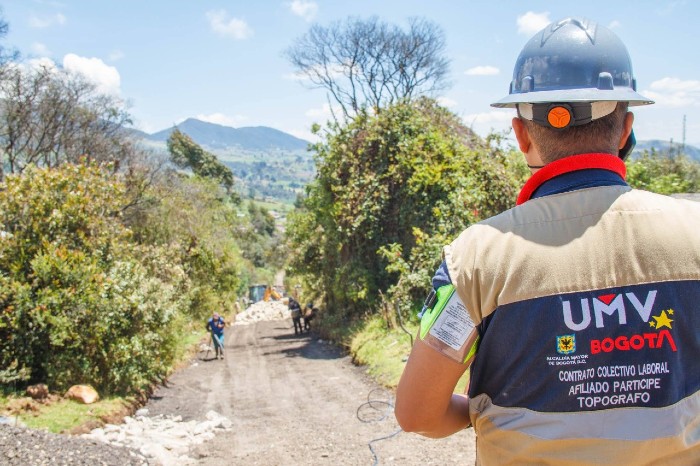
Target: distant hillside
(213,136)
(665,148)
(269,165)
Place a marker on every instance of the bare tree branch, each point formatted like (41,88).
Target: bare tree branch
(370,63)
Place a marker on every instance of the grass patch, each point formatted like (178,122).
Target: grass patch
(384,351)
(66,415)
(62,415)
(274,205)
(188,344)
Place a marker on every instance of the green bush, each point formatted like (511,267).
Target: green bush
(189,220)
(78,302)
(663,173)
(392,188)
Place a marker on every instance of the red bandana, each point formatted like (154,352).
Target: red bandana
(571,164)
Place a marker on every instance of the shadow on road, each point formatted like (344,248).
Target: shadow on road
(309,347)
(291,336)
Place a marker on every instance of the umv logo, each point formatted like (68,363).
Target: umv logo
(609,307)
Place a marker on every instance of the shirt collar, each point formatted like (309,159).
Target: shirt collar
(572,164)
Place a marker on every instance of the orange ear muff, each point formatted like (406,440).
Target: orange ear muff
(559,117)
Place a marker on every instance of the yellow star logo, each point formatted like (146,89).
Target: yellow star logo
(662,320)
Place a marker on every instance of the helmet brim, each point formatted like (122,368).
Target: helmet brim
(574,95)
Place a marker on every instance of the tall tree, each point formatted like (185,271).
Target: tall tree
(396,185)
(49,117)
(372,63)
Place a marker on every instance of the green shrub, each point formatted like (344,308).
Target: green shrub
(393,187)
(79,303)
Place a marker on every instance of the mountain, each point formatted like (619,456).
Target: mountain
(268,164)
(213,136)
(666,148)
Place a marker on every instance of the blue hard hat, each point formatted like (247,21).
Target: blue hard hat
(573,60)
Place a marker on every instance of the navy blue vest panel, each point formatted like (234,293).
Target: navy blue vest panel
(587,351)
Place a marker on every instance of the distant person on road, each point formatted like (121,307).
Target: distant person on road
(215,325)
(576,311)
(295,307)
(309,314)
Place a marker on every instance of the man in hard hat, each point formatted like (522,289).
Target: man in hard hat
(577,310)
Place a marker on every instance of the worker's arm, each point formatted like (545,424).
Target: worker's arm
(425,402)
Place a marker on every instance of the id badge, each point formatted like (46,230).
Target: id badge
(448,327)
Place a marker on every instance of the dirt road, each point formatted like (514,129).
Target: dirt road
(295,400)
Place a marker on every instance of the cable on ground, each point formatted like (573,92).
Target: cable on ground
(376,410)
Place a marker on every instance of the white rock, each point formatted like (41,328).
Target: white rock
(272,310)
(163,439)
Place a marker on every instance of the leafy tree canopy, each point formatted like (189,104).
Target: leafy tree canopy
(185,153)
(394,187)
(663,173)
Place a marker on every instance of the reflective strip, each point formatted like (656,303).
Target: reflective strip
(638,424)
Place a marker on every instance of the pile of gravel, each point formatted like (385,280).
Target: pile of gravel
(164,440)
(263,310)
(22,446)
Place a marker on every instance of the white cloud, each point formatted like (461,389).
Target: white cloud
(482,71)
(614,24)
(531,22)
(674,92)
(43,62)
(333,71)
(46,21)
(323,112)
(486,122)
(446,102)
(304,8)
(295,77)
(303,134)
(40,49)
(106,78)
(225,26)
(146,126)
(494,116)
(223,120)
(116,55)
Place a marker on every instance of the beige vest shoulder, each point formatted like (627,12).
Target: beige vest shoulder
(589,239)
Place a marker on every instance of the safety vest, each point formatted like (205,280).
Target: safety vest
(588,309)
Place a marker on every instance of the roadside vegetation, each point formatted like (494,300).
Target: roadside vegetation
(111,256)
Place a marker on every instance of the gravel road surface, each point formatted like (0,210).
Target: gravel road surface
(296,400)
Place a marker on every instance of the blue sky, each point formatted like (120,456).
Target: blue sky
(221,61)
